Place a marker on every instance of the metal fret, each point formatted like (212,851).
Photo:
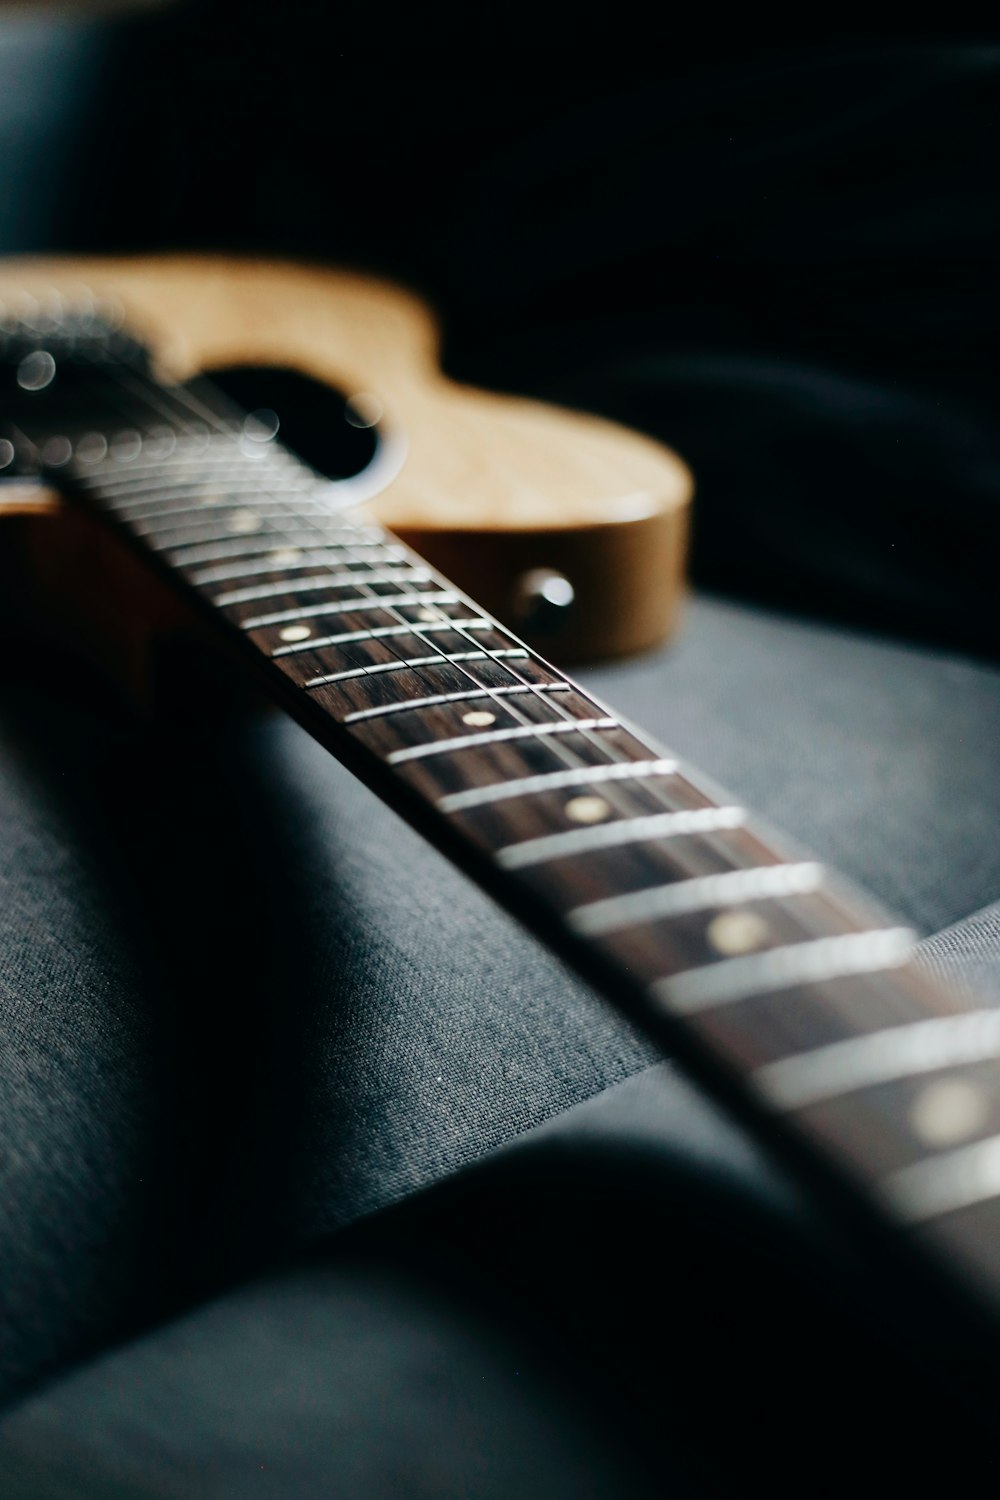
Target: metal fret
(495,736)
(436,699)
(945,1182)
(228,455)
(576,841)
(244,521)
(881,1057)
(764,882)
(417,661)
(346,578)
(155,502)
(215,511)
(283,558)
(186,474)
(346,607)
(113,473)
(173,541)
(555,781)
(381,631)
(813,962)
(255,546)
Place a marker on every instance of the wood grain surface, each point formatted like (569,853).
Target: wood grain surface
(491,488)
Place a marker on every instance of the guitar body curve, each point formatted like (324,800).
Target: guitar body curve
(493,490)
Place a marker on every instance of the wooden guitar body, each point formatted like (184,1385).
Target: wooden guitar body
(496,491)
(787,993)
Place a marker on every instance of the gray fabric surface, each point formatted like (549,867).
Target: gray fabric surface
(967,954)
(244,1006)
(343,1381)
(883,758)
(585,1307)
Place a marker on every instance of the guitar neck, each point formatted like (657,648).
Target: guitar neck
(777,984)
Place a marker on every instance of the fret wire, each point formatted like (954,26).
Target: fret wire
(279,588)
(118,482)
(876,1057)
(170,541)
(336,580)
(495,736)
(462,697)
(946,1182)
(559,750)
(816,961)
(763,882)
(574,841)
(784,967)
(387,632)
(269,562)
(218,453)
(415,661)
(419,636)
(211,512)
(364,604)
(552,781)
(137,479)
(124,377)
(602,749)
(256,546)
(127,497)
(215,502)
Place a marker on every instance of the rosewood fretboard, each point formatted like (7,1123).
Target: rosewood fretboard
(775,981)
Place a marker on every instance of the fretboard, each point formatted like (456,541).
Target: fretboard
(776,982)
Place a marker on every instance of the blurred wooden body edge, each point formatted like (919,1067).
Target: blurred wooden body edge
(492,487)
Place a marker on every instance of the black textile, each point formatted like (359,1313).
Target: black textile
(248,1019)
(777,253)
(262,1008)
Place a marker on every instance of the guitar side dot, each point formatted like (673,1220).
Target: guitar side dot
(243,521)
(734,932)
(587,809)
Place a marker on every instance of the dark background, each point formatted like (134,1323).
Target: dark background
(776,251)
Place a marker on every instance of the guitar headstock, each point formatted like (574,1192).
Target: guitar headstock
(67,361)
(61,360)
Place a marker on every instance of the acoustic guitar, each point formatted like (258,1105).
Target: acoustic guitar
(783,990)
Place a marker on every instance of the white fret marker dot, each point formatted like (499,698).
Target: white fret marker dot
(734,932)
(430,614)
(947,1111)
(479,718)
(587,809)
(295,633)
(242,521)
(285,557)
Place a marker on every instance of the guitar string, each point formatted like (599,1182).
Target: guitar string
(152,394)
(560,752)
(382,601)
(614,795)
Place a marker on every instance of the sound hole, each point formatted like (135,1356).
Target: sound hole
(336,436)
